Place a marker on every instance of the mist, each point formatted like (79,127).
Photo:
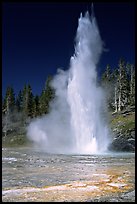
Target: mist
(75,123)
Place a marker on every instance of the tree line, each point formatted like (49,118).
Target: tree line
(26,102)
(120,85)
(17,111)
(118,82)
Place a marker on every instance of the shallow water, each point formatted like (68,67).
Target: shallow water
(31,175)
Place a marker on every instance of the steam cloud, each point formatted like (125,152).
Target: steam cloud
(75,123)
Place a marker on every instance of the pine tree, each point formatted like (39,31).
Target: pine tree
(132,93)
(8,108)
(42,103)
(114,95)
(28,103)
(34,108)
(46,96)
(122,82)
(19,101)
(131,76)
(9,100)
(106,76)
(49,92)
(37,104)
(106,82)
(25,101)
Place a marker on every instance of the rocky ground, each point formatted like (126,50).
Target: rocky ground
(122,197)
(123,130)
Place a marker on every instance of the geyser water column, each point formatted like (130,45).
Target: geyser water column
(84,97)
(75,123)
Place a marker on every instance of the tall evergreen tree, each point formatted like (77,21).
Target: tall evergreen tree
(49,92)
(132,93)
(114,98)
(106,82)
(8,108)
(46,96)
(9,100)
(106,76)
(19,101)
(27,101)
(131,77)
(34,108)
(37,104)
(42,103)
(122,85)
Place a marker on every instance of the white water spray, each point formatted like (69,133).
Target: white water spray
(75,123)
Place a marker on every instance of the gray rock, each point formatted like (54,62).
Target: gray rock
(122,144)
(132,134)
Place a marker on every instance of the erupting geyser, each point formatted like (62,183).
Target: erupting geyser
(75,123)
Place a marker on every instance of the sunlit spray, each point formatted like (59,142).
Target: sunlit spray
(75,123)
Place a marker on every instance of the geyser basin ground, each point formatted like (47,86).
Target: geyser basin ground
(30,175)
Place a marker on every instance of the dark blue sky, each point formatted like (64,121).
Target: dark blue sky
(38,38)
